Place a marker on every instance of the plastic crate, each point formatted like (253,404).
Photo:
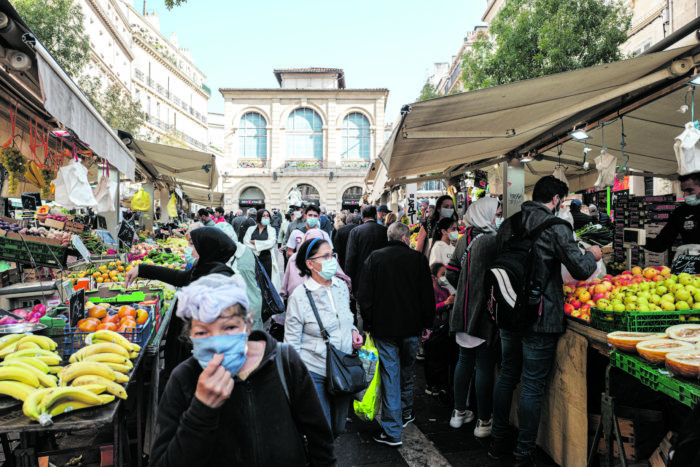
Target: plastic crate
(75,338)
(683,391)
(131,298)
(606,321)
(15,250)
(656,321)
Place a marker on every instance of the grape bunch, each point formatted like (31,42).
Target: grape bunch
(15,164)
(48,176)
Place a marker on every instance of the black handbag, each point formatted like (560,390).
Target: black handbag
(344,372)
(272,303)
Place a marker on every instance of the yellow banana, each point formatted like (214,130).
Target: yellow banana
(43,342)
(133,355)
(28,345)
(74,370)
(19,374)
(8,349)
(9,339)
(66,407)
(16,389)
(135,348)
(104,347)
(93,388)
(46,356)
(66,394)
(44,379)
(33,175)
(55,369)
(111,336)
(109,358)
(123,369)
(112,387)
(31,361)
(120,378)
(31,403)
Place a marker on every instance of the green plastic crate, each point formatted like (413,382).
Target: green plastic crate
(131,298)
(606,321)
(656,321)
(15,250)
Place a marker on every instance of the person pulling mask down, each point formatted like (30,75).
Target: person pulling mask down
(217,405)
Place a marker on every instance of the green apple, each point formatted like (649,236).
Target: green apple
(644,286)
(655,299)
(696,306)
(645,295)
(675,288)
(631,307)
(696,282)
(630,299)
(668,306)
(668,298)
(684,278)
(673,278)
(661,289)
(696,297)
(619,306)
(668,283)
(692,289)
(642,301)
(634,288)
(643,307)
(655,308)
(682,306)
(682,294)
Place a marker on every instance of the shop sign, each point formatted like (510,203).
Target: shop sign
(686,263)
(251,201)
(411,206)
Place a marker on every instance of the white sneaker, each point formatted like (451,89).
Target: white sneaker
(483,429)
(458,419)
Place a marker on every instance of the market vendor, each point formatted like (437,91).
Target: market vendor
(684,221)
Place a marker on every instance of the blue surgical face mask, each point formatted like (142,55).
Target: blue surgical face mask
(692,200)
(328,268)
(232,346)
(312,222)
(454,235)
(188,255)
(499,221)
(265,222)
(443,281)
(446,212)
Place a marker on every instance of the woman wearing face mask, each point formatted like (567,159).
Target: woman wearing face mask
(436,342)
(318,264)
(262,239)
(189,259)
(444,208)
(469,318)
(225,405)
(442,247)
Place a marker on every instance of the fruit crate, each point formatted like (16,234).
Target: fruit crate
(134,297)
(44,254)
(657,378)
(656,321)
(606,321)
(75,338)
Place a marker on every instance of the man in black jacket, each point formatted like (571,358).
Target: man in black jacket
(342,235)
(396,301)
(530,352)
(684,221)
(362,241)
(580,219)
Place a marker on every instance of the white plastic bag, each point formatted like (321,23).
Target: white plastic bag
(600,269)
(105,194)
(605,164)
(687,149)
(72,187)
(560,173)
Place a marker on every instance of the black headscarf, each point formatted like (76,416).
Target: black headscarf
(215,249)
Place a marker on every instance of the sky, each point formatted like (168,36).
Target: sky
(389,44)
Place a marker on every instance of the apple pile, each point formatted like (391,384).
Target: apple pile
(32,316)
(650,289)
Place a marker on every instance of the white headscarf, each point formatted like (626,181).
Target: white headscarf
(481,213)
(206,298)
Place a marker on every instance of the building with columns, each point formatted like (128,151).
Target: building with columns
(311,132)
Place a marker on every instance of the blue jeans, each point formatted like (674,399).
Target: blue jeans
(485,359)
(397,360)
(335,408)
(531,355)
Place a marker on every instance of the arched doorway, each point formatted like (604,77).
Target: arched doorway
(251,197)
(352,197)
(309,194)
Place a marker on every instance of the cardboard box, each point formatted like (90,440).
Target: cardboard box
(659,457)
(656,259)
(640,430)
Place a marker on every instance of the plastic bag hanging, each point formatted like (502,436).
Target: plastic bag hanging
(72,187)
(560,173)
(141,201)
(687,149)
(106,193)
(605,164)
(172,206)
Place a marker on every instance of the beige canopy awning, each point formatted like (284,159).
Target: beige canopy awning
(475,129)
(203,197)
(173,164)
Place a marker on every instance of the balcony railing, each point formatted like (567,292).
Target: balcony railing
(304,164)
(354,164)
(160,89)
(252,163)
(206,89)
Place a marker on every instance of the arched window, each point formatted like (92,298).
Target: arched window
(304,135)
(356,140)
(309,194)
(253,136)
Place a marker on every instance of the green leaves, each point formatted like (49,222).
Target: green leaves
(532,38)
(169,4)
(114,104)
(428,92)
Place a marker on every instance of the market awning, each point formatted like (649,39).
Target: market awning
(203,197)
(440,135)
(178,164)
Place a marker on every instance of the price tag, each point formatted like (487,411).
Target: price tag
(686,263)
(126,233)
(178,190)
(30,201)
(80,246)
(76,307)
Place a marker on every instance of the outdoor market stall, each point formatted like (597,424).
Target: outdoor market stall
(632,110)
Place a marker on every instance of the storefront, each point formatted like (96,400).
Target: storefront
(251,197)
(352,199)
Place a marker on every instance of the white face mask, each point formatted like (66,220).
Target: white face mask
(692,200)
(444,212)
(454,235)
(297,215)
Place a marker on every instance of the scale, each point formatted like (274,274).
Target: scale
(632,238)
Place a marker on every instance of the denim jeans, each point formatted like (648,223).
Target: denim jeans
(485,359)
(335,408)
(531,355)
(397,360)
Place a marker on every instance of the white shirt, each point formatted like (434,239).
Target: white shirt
(296,238)
(441,252)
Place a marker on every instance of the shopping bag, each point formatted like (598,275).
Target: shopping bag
(106,194)
(687,149)
(172,206)
(368,408)
(606,165)
(141,201)
(272,304)
(369,356)
(72,187)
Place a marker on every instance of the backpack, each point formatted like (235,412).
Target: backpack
(515,296)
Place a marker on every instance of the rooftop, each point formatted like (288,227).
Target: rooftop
(320,70)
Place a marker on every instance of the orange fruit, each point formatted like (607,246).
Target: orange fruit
(126,310)
(107,326)
(114,319)
(87,325)
(97,312)
(141,316)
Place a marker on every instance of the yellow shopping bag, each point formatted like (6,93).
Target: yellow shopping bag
(172,206)
(367,403)
(141,201)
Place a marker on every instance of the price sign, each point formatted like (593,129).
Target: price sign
(80,246)
(76,307)
(411,202)
(30,201)
(686,263)
(126,233)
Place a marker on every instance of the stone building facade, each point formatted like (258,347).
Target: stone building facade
(311,132)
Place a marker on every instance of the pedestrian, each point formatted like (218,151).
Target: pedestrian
(298,220)
(340,221)
(205,217)
(441,248)
(247,223)
(238,220)
(423,210)
(330,295)
(389,219)
(396,301)
(469,320)
(340,241)
(282,238)
(261,239)
(444,208)
(325,223)
(530,352)
(580,219)
(362,241)
(436,339)
(382,212)
(276,221)
(599,217)
(219,215)
(312,214)
(225,405)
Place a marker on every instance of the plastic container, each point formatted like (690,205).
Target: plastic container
(75,338)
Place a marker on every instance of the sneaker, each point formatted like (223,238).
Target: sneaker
(498,449)
(460,418)
(411,417)
(524,460)
(483,429)
(381,437)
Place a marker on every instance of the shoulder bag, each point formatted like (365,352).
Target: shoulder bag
(344,372)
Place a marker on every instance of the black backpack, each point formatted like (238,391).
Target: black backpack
(515,296)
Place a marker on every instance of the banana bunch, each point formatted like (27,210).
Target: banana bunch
(14,342)
(25,371)
(111,337)
(34,176)
(44,404)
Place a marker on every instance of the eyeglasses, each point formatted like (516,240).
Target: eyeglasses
(326,257)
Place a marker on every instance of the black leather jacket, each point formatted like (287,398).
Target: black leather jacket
(556,246)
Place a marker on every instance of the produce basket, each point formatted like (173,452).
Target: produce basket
(75,338)
(641,321)
(45,253)
(606,321)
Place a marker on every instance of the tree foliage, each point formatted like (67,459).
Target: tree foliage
(532,38)
(428,92)
(169,4)
(115,105)
(58,24)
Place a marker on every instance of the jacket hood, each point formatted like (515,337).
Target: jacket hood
(215,248)
(534,214)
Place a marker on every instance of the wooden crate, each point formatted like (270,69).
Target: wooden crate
(641,432)
(72,226)
(53,224)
